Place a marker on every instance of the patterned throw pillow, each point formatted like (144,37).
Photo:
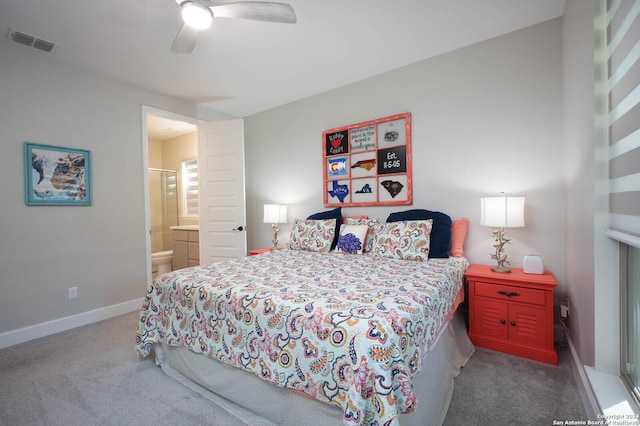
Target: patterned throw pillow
(355,218)
(330,214)
(312,235)
(375,228)
(440,239)
(408,240)
(352,238)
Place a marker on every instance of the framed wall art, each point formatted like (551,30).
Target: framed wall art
(369,163)
(56,176)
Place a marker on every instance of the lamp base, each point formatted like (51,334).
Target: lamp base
(501,240)
(274,247)
(501,269)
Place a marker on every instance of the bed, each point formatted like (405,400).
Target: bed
(298,334)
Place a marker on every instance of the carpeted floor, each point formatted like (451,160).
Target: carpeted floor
(91,376)
(499,389)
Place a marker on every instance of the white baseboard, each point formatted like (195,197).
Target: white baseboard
(21,335)
(589,400)
(604,396)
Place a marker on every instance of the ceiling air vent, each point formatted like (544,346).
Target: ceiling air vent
(29,40)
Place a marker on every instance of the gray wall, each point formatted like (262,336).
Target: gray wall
(99,248)
(485,119)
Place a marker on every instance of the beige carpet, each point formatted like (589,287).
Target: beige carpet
(499,389)
(91,376)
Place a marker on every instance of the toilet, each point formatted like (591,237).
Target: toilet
(161,262)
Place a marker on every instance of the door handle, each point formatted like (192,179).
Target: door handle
(240,228)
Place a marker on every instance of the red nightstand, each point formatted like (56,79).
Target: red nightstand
(259,251)
(512,313)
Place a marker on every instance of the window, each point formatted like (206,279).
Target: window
(190,188)
(630,326)
(621,54)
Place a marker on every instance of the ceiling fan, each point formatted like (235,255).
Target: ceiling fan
(198,14)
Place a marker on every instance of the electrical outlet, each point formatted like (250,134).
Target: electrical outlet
(565,308)
(73,292)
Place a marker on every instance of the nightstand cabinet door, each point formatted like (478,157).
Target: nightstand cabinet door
(490,318)
(512,312)
(527,326)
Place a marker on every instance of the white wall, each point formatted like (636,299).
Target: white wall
(485,119)
(579,82)
(99,248)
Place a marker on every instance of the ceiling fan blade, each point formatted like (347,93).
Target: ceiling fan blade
(255,10)
(185,41)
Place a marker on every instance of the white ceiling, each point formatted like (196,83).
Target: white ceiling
(243,67)
(162,128)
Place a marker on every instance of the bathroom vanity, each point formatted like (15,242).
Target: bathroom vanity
(186,246)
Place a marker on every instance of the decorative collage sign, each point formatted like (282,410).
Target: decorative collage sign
(368,164)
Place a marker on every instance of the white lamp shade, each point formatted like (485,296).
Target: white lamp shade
(502,212)
(275,213)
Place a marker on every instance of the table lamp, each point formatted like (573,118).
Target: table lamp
(275,214)
(501,212)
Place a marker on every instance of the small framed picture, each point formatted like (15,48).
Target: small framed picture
(55,176)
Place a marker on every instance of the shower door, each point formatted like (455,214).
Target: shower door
(163,207)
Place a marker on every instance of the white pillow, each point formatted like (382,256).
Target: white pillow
(352,238)
(375,228)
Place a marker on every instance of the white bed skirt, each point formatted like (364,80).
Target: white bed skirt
(259,403)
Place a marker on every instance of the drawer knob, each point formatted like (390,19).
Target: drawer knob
(503,322)
(508,293)
(513,323)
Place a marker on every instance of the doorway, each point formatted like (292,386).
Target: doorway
(221,220)
(168,140)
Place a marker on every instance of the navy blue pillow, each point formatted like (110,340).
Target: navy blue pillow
(331,214)
(440,243)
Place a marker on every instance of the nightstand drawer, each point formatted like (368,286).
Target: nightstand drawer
(511,293)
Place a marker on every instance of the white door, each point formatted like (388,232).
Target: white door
(221,189)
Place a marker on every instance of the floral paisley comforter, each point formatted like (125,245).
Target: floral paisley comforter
(348,330)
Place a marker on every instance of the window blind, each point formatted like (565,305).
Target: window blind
(623,120)
(190,187)
(623,81)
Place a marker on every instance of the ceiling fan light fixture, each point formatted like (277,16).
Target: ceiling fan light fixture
(196,15)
